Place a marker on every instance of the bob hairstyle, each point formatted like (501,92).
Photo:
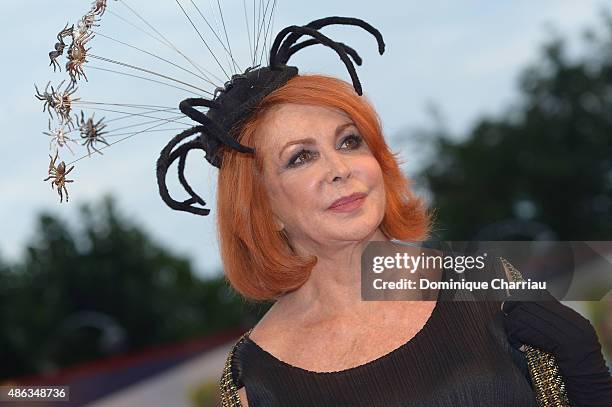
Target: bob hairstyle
(259,261)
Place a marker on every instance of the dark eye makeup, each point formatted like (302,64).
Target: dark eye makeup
(355,140)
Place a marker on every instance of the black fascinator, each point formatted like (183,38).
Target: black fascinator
(233,103)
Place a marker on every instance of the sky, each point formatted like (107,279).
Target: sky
(462,56)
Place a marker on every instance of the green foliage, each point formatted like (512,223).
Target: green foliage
(547,161)
(205,394)
(103,289)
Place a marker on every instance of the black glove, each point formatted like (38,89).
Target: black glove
(550,326)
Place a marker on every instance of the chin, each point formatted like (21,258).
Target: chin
(355,230)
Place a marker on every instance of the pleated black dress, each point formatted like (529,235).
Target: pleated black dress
(461,357)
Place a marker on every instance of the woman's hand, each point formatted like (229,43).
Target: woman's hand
(548,325)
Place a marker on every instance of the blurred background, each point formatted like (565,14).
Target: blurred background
(501,112)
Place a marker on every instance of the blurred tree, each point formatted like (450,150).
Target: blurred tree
(10,335)
(547,161)
(103,289)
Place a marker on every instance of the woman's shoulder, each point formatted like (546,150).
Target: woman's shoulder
(232,387)
(231,377)
(232,371)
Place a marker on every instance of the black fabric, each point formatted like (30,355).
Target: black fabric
(461,357)
(244,93)
(555,328)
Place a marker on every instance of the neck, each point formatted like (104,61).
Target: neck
(334,286)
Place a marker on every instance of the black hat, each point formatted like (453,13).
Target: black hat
(235,102)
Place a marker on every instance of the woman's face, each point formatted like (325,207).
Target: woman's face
(312,157)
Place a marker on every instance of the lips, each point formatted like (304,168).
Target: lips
(347,199)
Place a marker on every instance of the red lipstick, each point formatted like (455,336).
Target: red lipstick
(348,203)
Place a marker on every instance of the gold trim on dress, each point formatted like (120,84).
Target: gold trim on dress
(545,375)
(227,385)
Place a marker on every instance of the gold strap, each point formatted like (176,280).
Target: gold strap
(543,369)
(227,385)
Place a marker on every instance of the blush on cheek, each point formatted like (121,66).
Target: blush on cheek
(371,171)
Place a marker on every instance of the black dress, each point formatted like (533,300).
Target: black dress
(461,357)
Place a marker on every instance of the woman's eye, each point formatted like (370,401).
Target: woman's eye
(304,154)
(354,141)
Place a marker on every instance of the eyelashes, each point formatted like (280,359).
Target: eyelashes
(355,139)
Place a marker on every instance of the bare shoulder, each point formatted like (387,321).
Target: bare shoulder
(243,397)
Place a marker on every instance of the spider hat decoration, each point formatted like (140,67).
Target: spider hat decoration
(227,106)
(57,176)
(233,104)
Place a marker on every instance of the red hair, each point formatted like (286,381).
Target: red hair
(258,260)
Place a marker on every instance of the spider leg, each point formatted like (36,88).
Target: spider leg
(95,149)
(53,55)
(182,152)
(186,107)
(81,72)
(165,159)
(68,122)
(324,40)
(72,89)
(52,164)
(323,22)
(52,173)
(352,53)
(102,140)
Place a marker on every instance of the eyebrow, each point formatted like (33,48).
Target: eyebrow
(310,140)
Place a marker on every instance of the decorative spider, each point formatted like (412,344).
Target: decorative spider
(59,46)
(59,101)
(91,132)
(48,98)
(57,175)
(76,56)
(85,23)
(98,7)
(59,137)
(64,99)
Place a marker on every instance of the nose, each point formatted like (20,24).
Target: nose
(339,167)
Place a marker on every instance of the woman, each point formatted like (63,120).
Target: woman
(288,234)
(306,181)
